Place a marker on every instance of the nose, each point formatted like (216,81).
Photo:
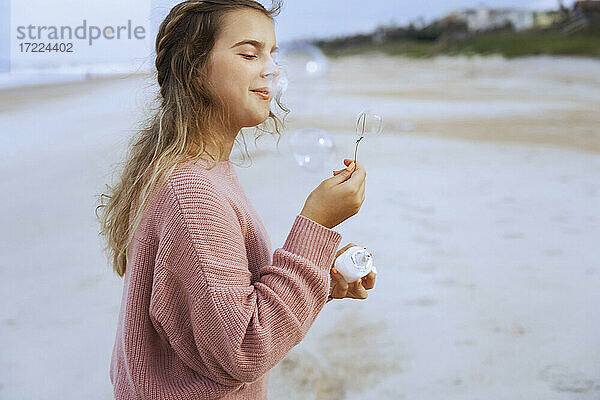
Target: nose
(271,70)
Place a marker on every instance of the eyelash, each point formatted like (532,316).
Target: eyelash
(253,57)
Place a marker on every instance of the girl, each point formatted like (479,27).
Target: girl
(206,310)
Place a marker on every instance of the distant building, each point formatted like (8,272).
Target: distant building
(483,19)
(544,19)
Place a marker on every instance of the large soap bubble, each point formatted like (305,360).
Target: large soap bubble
(312,148)
(303,59)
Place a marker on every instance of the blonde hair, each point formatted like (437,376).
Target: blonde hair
(180,129)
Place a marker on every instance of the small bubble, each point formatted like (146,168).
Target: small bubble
(312,148)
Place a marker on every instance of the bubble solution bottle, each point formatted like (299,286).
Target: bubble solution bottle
(354,263)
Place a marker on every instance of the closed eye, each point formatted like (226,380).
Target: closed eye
(248,56)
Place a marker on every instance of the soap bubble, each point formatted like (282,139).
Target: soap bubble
(275,75)
(281,84)
(279,91)
(303,59)
(312,148)
(368,123)
(278,83)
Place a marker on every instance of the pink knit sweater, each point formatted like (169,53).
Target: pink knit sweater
(206,311)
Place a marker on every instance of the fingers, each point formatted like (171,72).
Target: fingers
(340,286)
(361,190)
(350,167)
(357,180)
(358,175)
(341,289)
(347,163)
(357,291)
(368,281)
(342,175)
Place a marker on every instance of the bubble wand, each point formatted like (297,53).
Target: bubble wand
(366,123)
(361,116)
(355,263)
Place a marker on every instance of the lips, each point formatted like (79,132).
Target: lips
(262,92)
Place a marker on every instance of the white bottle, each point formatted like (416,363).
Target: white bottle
(354,263)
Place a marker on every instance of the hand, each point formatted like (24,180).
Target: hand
(341,289)
(337,198)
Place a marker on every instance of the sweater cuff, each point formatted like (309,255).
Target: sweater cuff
(313,241)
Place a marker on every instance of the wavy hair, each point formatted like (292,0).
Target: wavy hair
(179,130)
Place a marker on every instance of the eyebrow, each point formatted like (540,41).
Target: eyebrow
(255,43)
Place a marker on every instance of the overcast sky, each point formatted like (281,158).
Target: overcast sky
(299,19)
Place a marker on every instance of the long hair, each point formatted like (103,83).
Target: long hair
(179,130)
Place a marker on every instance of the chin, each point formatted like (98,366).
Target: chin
(258,120)
(264,118)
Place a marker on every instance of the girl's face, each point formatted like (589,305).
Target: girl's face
(241,62)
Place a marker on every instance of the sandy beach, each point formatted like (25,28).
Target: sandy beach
(482,211)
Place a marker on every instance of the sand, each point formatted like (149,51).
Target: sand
(481,212)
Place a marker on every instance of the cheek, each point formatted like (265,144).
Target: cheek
(226,78)
(237,86)
(233,81)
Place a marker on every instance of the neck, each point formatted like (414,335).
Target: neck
(212,151)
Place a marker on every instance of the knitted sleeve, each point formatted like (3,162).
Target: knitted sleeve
(204,303)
